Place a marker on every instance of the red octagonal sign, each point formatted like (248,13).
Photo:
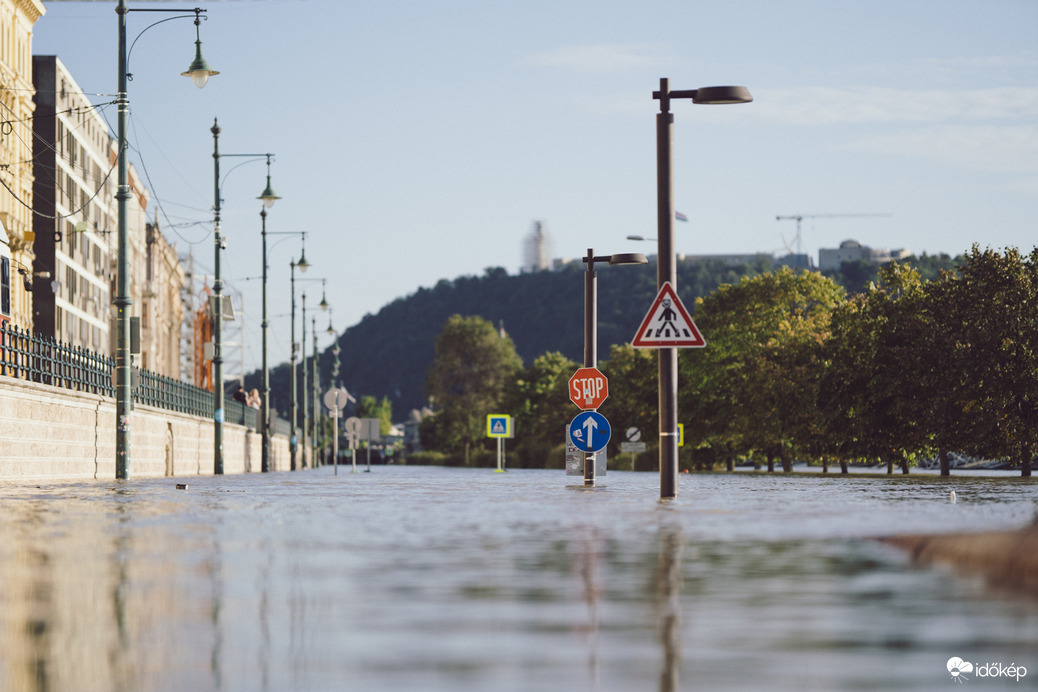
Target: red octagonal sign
(588,388)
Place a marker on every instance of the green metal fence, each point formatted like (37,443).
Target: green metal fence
(42,359)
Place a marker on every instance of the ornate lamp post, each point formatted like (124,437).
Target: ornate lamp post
(218,244)
(199,71)
(303,265)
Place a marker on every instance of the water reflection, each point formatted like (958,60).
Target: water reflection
(668,588)
(445,579)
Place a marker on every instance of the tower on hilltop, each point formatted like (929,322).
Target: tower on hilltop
(535,249)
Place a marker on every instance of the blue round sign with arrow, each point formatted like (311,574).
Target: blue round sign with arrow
(589,431)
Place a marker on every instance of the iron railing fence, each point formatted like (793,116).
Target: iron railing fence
(45,360)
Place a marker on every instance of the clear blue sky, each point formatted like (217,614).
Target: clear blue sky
(420,140)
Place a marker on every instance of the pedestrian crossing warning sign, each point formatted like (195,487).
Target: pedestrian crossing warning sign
(668,324)
(499,425)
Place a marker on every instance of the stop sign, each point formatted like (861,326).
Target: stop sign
(588,388)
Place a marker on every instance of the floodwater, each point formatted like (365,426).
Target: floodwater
(438,579)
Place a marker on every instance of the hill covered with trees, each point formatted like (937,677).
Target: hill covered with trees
(388,354)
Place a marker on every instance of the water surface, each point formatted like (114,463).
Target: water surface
(435,579)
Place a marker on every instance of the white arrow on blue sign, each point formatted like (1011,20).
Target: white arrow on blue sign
(589,431)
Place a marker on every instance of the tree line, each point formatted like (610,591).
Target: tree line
(795,367)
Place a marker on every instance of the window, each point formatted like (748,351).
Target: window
(5,286)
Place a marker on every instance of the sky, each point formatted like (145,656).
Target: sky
(416,141)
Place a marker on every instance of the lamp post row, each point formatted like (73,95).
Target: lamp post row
(199,71)
(217,307)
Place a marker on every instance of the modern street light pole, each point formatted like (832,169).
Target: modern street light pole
(591,325)
(199,72)
(666,260)
(218,246)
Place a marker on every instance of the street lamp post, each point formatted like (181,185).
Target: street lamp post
(265,372)
(302,264)
(199,72)
(218,245)
(316,389)
(306,399)
(591,325)
(666,260)
(306,411)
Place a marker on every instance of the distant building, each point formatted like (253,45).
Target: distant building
(853,251)
(795,261)
(161,305)
(535,249)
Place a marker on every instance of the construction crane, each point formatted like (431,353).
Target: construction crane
(801,217)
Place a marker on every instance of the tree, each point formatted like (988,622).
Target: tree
(539,400)
(370,407)
(994,328)
(472,366)
(633,395)
(872,388)
(754,386)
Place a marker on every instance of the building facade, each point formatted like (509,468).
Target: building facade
(853,251)
(161,305)
(75,212)
(76,232)
(17,18)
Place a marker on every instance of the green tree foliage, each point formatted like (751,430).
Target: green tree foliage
(633,393)
(472,367)
(754,387)
(372,407)
(992,322)
(539,401)
(870,386)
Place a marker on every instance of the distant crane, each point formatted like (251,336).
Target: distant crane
(801,217)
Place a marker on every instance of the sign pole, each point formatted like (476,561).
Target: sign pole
(335,443)
(590,343)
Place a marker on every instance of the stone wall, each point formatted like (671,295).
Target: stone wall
(52,433)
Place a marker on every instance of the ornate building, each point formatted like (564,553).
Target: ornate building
(76,227)
(17,18)
(75,212)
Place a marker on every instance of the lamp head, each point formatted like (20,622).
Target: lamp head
(199,70)
(268,195)
(302,264)
(722,94)
(628,258)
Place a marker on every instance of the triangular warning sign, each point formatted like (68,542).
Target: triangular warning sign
(667,324)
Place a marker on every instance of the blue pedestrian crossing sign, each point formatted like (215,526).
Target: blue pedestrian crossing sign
(499,425)
(589,431)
